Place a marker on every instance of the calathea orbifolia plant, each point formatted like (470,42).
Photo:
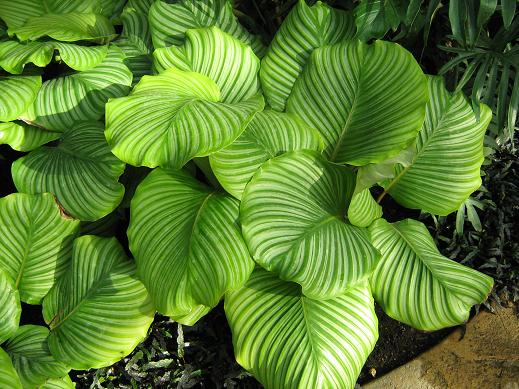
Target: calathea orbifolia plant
(299,221)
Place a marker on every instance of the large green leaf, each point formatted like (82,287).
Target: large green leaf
(187,243)
(169,22)
(31,357)
(36,243)
(445,168)
(59,383)
(303,30)
(23,137)
(80,171)
(16,95)
(363,209)
(415,284)
(368,101)
(224,59)
(8,375)
(14,55)
(269,134)
(293,219)
(80,96)
(288,340)
(170,118)
(10,308)
(98,311)
(135,39)
(374,18)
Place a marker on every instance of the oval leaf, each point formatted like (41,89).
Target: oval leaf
(169,22)
(16,95)
(59,383)
(368,105)
(288,340)
(303,30)
(363,209)
(36,243)
(417,285)
(31,357)
(445,168)
(269,134)
(80,171)
(80,96)
(8,375)
(23,137)
(10,308)
(187,244)
(98,311)
(293,219)
(170,118)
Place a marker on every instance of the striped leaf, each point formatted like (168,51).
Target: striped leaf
(59,383)
(80,96)
(293,219)
(98,311)
(169,22)
(187,243)
(418,286)
(66,27)
(15,55)
(8,375)
(368,105)
(232,65)
(80,171)
(303,30)
(10,308)
(23,137)
(29,351)
(448,155)
(288,340)
(363,209)
(269,134)
(135,39)
(36,243)
(170,118)
(16,95)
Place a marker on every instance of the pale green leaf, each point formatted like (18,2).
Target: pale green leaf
(8,375)
(187,244)
(23,137)
(36,243)
(293,220)
(80,171)
(303,30)
(10,308)
(16,95)
(29,351)
(417,285)
(368,101)
(448,155)
(224,59)
(268,135)
(288,340)
(170,21)
(98,311)
(14,55)
(363,209)
(59,383)
(80,96)
(170,118)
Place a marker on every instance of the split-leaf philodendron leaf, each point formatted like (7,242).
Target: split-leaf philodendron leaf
(29,351)
(378,105)
(8,375)
(417,285)
(98,311)
(36,243)
(304,29)
(268,135)
(288,340)
(80,171)
(293,219)
(170,21)
(185,235)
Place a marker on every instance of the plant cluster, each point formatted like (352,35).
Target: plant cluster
(291,140)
